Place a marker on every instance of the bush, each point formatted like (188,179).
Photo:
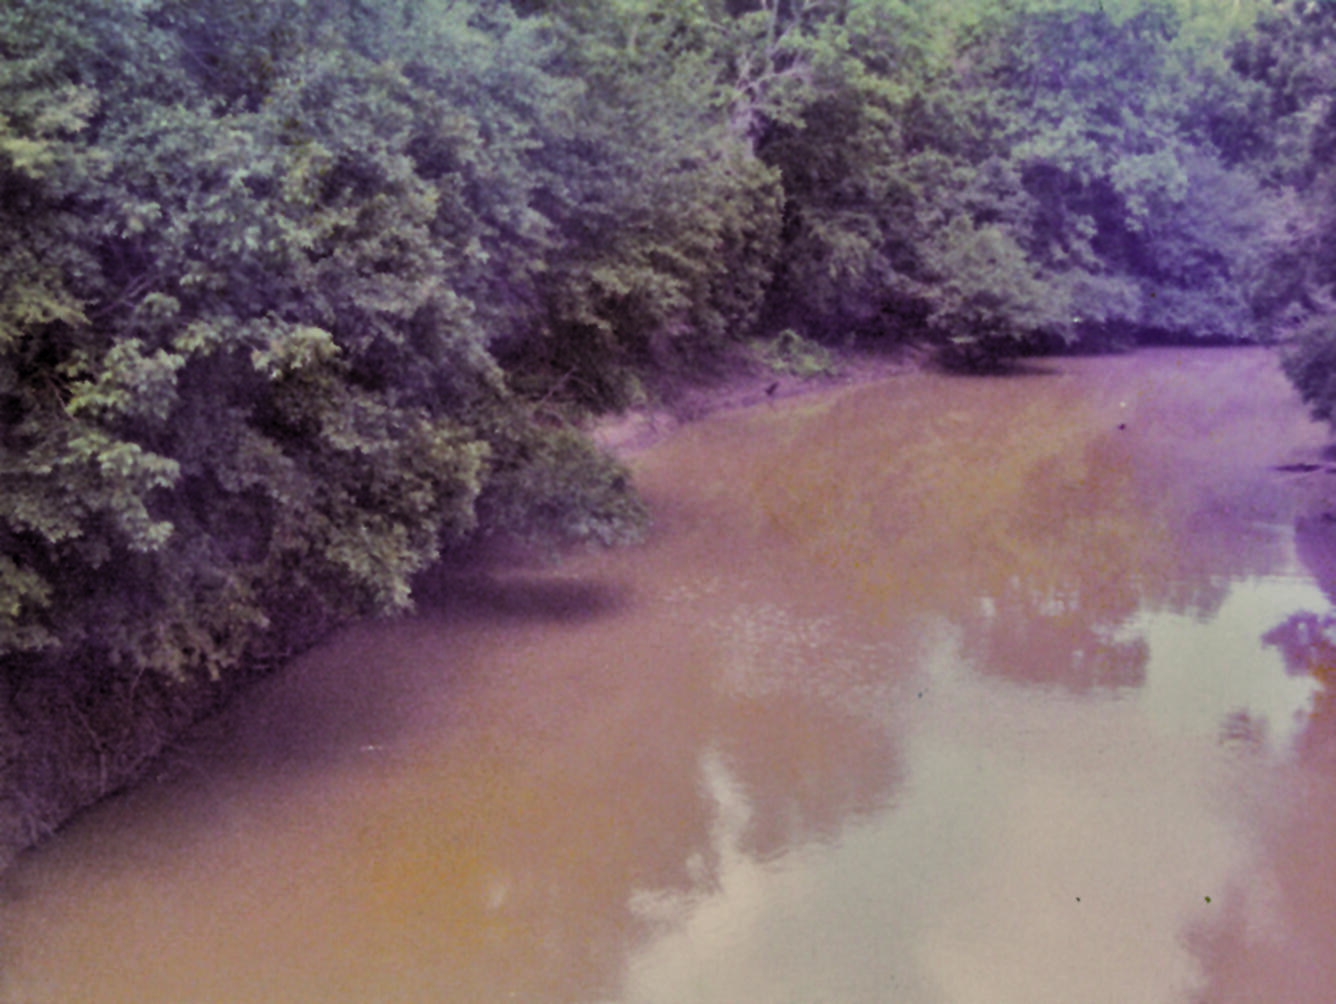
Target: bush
(791,354)
(1309,359)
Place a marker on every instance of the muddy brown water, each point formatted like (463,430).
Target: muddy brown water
(929,690)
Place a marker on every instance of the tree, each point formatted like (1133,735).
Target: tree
(663,223)
(246,384)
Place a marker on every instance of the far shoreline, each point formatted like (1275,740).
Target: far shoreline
(634,430)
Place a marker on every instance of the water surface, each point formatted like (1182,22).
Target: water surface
(931,690)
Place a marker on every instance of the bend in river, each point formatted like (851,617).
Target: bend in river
(929,690)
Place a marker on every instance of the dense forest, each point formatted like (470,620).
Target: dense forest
(299,298)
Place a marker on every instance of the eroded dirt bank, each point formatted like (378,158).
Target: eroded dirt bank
(748,386)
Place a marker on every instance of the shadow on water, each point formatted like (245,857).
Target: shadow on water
(355,694)
(372,700)
(1291,881)
(486,597)
(1001,370)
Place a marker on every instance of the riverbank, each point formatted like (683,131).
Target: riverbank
(747,383)
(64,749)
(62,754)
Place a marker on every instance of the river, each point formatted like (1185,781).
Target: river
(934,689)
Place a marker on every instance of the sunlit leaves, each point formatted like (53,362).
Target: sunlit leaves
(129,381)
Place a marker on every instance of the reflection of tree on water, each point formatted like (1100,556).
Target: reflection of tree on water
(1308,643)
(1293,956)
(1032,639)
(1096,541)
(804,728)
(1041,525)
(1308,640)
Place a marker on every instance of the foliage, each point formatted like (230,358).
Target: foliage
(243,370)
(1292,59)
(276,293)
(791,354)
(1031,174)
(1310,363)
(667,241)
